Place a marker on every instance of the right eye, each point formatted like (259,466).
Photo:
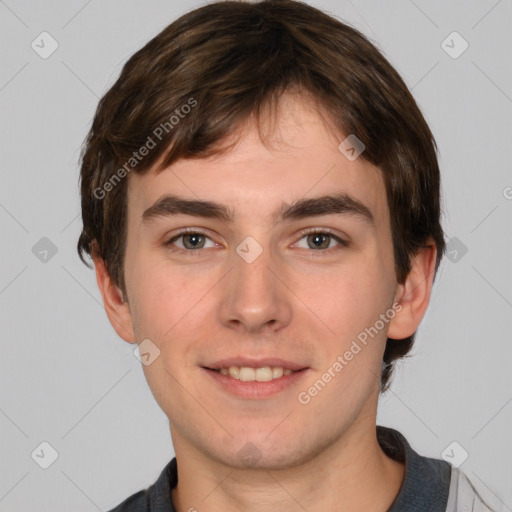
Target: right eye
(193,240)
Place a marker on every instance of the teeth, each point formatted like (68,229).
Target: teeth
(264,374)
(247,374)
(277,372)
(234,371)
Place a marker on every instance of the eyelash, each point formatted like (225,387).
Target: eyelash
(309,231)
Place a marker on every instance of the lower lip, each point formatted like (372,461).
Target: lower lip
(256,389)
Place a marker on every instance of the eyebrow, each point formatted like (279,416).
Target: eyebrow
(341,204)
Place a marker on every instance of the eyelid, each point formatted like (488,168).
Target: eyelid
(309,231)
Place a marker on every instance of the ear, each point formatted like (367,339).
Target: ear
(414,294)
(118,311)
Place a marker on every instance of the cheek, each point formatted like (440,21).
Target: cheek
(350,303)
(350,299)
(168,300)
(159,307)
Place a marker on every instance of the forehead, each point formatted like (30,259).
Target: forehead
(255,179)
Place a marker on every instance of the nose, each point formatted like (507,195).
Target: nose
(255,298)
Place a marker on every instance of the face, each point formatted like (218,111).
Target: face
(261,290)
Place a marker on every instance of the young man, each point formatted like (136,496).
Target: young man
(260,195)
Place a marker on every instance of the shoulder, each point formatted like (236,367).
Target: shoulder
(138,502)
(464,497)
(155,498)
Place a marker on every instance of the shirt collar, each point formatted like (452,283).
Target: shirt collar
(426,482)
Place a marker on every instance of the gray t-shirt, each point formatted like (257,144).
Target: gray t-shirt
(430,485)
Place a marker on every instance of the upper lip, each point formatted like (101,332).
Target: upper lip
(255,363)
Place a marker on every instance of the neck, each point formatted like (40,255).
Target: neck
(351,474)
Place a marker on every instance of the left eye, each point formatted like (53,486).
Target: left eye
(321,240)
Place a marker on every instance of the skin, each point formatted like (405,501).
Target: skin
(288,303)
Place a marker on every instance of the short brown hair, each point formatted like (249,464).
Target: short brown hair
(228,60)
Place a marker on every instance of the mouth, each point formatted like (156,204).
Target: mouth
(261,378)
(248,374)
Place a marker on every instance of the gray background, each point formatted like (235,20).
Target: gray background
(67,379)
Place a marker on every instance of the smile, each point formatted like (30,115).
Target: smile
(247,374)
(263,382)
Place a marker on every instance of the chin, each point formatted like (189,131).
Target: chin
(252,457)
(259,452)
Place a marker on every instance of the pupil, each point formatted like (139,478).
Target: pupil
(317,237)
(195,236)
